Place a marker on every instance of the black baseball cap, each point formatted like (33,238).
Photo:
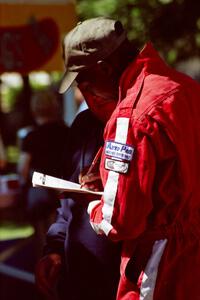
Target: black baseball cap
(88,43)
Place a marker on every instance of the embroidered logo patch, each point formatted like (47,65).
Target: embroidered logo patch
(116,165)
(120,151)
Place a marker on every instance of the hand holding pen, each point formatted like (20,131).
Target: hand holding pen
(91,180)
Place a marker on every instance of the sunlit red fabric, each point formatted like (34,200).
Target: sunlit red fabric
(154,207)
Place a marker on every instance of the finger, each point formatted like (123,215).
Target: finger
(90,177)
(43,285)
(43,280)
(90,187)
(80,178)
(54,273)
(84,172)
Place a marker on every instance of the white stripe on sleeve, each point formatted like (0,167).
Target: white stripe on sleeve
(151,270)
(111,186)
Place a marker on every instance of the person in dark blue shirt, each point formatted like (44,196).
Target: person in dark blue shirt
(86,265)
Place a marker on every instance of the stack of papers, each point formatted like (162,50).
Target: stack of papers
(43,180)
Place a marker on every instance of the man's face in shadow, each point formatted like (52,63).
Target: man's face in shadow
(100,80)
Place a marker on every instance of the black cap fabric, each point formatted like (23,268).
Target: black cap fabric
(89,42)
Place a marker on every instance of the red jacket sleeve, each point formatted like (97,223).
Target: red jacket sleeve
(127,201)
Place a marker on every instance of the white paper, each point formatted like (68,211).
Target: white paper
(43,180)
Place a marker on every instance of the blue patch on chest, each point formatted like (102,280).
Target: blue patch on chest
(118,150)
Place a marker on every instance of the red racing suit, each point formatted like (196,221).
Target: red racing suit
(150,169)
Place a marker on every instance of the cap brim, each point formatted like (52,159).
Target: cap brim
(67,81)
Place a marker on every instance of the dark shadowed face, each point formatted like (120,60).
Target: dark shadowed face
(100,80)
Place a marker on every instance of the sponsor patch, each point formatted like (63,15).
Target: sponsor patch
(118,150)
(116,165)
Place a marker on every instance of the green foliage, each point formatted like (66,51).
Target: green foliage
(9,231)
(89,8)
(172,25)
(8,98)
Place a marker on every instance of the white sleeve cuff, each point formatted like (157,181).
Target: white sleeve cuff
(92,205)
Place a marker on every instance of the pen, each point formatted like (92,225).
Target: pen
(94,163)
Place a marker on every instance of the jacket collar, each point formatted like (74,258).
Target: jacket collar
(133,77)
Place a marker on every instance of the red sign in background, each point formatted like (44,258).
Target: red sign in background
(28,47)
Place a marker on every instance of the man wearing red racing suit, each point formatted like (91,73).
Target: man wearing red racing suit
(150,171)
(149,167)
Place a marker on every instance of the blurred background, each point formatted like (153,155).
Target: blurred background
(31,33)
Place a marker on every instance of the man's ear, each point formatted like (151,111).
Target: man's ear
(105,67)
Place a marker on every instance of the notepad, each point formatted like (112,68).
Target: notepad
(47,181)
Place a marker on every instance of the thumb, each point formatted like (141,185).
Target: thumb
(54,273)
